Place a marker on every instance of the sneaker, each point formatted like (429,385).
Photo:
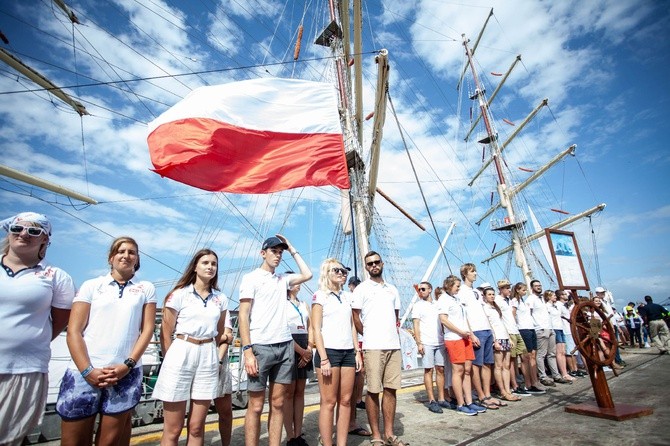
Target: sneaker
(607,369)
(535,390)
(520,391)
(646,345)
(477,407)
(548,382)
(300,440)
(450,404)
(465,410)
(360,405)
(434,407)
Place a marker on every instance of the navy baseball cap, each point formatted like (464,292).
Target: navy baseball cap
(272,242)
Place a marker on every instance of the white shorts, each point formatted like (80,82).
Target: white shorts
(433,355)
(188,371)
(225,386)
(23,398)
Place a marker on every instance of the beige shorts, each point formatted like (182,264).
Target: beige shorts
(382,369)
(519,347)
(23,399)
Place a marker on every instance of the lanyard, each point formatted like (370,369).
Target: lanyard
(302,321)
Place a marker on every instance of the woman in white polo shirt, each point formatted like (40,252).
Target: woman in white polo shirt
(337,357)
(195,312)
(36,299)
(111,324)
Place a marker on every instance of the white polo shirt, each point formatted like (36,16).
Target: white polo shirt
(196,317)
(268,320)
(26,299)
(508,316)
(496,321)
(472,301)
(455,312)
(554,316)
(378,303)
(114,319)
(429,322)
(298,315)
(523,318)
(539,312)
(336,321)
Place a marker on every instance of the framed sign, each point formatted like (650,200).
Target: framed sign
(567,260)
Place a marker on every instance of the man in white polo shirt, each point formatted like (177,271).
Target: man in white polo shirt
(266,337)
(546,338)
(376,306)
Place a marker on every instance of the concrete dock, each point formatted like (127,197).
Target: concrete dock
(536,420)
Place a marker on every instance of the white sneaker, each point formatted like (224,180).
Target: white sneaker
(607,369)
(646,345)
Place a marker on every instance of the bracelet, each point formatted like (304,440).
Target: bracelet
(247,347)
(87,371)
(325,361)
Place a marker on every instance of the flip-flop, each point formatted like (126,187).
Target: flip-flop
(360,432)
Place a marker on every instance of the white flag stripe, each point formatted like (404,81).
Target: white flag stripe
(268,104)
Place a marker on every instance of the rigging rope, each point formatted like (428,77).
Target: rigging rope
(423,196)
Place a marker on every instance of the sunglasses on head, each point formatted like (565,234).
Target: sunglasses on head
(373,262)
(342,271)
(33,231)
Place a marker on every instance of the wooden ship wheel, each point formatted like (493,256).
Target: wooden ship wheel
(595,339)
(593,334)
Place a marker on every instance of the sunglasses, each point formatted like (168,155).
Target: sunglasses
(33,231)
(424,289)
(374,262)
(342,271)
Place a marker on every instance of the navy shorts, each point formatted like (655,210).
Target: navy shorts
(484,353)
(530,339)
(338,358)
(301,372)
(77,399)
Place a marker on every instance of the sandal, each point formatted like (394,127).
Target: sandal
(395,441)
(490,403)
(375,441)
(510,397)
(362,432)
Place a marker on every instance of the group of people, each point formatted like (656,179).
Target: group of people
(110,321)
(474,338)
(478,338)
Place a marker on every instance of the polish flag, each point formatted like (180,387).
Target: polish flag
(255,136)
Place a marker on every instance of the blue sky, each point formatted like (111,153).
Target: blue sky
(602,64)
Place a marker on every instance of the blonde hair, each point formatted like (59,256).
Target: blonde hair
(325,283)
(548,295)
(449,283)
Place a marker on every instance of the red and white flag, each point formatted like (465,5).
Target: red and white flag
(253,136)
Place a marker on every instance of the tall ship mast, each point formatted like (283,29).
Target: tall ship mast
(513,220)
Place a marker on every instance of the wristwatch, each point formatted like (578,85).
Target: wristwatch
(247,347)
(130,363)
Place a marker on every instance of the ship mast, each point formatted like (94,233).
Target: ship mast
(360,198)
(512,225)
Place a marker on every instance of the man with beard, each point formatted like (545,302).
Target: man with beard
(376,305)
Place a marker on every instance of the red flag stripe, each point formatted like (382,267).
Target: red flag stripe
(216,156)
